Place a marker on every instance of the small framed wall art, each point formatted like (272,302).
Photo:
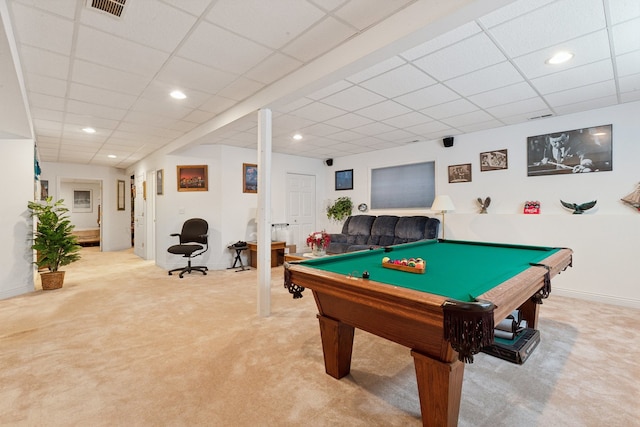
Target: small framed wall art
(160,182)
(193,178)
(249,178)
(493,160)
(121,193)
(460,173)
(344,179)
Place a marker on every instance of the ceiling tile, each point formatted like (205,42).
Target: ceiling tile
(407,120)
(467,119)
(114,52)
(383,110)
(581,94)
(273,68)
(630,83)
(194,7)
(217,104)
(78,107)
(271,23)
(377,69)
(399,81)
(98,123)
(628,64)
(349,121)
(318,111)
(587,49)
(44,114)
(447,39)
(100,96)
(327,34)
(588,104)
(40,100)
(626,36)
(156,25)
(475,127)
(45,63)
(184,73)
(427,97)
(623,10)
(330,90)
(47,85)
(363,13)
(448,109)
(320,129)
(353,98)
(398,135)
(471,54)
(548,26)
(373,129)
(493,77)
(219,48)
(503,95)
(240,89)
(574,77)
(44,30)
(107,78)
(511,11)
(525,107)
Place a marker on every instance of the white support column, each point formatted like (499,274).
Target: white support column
(264,212)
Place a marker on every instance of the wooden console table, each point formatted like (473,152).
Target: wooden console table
(277,253)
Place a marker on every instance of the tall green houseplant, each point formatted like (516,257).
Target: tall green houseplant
(53,239)
(340,210)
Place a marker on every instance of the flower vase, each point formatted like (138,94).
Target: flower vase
(318,251)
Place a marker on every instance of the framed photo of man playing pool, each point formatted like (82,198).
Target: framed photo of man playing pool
(573,151)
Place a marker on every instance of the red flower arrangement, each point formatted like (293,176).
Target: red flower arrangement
(321,239)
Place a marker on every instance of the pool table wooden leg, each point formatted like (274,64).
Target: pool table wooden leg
(439,388)
(337,346)
(529,311)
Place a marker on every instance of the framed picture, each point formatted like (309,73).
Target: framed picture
(82,201)
(160,182)
(121,194)
(249,178)
(344,180)
(493,160)
(192,178)
(44,189)
(571,151)
(460,173)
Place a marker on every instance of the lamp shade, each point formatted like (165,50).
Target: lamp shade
(442,204)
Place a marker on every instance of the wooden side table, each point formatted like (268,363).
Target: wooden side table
(277,253)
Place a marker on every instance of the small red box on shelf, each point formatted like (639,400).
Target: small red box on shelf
(532,207)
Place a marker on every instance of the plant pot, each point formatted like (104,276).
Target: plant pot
(318,251)
(52,280)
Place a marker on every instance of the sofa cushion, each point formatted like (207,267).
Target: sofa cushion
(359,229)
(383,230)
(410,229)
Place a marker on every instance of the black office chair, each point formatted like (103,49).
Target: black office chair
(193,242)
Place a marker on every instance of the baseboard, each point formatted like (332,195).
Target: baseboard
(14,292)
(604,299)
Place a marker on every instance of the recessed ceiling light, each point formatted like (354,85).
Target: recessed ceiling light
(89,130)
(560,58)
(297,137)
(178,94)
(112,156)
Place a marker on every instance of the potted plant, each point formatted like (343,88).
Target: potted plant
(341,209)
(319,241)
(53,240)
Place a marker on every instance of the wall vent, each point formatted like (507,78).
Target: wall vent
(544,116)
(112,7)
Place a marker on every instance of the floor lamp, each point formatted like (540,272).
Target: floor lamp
(442,204)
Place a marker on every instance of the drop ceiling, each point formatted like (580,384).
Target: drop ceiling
(351,76)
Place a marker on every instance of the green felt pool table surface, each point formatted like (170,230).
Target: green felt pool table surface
(454,269)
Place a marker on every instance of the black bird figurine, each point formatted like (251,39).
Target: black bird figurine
(484,204)
(578,209)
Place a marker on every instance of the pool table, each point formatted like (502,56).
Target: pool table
(445,315)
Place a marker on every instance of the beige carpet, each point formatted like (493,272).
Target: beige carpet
(124,344)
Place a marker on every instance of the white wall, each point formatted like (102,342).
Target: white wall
(604,240)
(17,173)
(116,225)
(226,208)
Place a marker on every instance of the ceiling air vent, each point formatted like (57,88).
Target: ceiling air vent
(112,7)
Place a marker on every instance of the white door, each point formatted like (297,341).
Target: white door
(139,218)
(301,208)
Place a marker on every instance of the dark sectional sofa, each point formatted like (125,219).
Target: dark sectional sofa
(361,232)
